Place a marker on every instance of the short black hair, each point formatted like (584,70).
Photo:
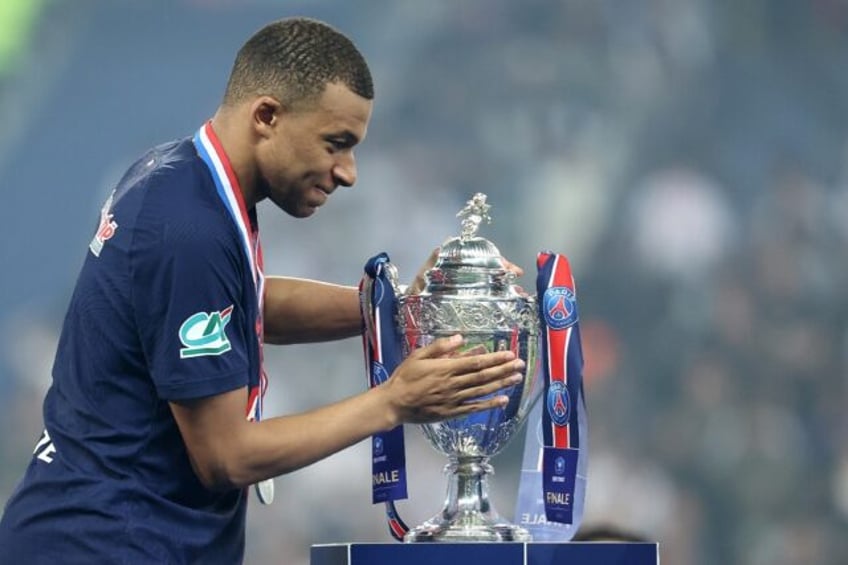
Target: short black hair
(293,60)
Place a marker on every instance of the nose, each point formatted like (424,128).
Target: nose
(344,171)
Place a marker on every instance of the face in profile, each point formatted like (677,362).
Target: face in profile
(308,152)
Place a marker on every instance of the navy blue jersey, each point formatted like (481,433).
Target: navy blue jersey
(164,309)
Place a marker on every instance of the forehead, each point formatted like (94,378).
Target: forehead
(340,108)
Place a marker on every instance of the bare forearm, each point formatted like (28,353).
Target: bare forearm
(230,452)
(433,383)
(303,310)
(281,445)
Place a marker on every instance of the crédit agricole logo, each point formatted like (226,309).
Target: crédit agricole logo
(203,334)
(106,228)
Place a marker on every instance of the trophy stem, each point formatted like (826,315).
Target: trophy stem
(468,514)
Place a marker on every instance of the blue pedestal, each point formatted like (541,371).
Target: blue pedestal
(538,553)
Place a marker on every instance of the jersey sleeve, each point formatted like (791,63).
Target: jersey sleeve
(189,299)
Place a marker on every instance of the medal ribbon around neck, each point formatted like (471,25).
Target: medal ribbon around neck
(226,184)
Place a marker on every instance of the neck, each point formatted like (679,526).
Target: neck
(236,141)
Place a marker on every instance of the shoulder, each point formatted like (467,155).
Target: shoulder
(173,180)
(178,213)
(178,202)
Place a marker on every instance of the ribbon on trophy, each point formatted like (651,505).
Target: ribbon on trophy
(383,353)
(556,444)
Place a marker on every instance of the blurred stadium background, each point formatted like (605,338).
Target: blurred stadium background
(689,156)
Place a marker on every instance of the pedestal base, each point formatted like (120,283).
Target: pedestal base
(573,553)
(455,531)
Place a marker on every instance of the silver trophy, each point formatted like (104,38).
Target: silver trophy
(469,291)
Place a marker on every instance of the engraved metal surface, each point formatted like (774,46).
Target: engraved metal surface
(469,291)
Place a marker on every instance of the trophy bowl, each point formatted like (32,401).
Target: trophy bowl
(469,291)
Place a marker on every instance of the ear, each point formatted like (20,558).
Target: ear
(265,112)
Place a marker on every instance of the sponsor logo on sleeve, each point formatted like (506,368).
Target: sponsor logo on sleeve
(106,229)
(204,334)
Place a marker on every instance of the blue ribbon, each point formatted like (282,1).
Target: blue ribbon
(383,353)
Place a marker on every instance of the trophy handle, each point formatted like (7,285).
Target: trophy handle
(394,279)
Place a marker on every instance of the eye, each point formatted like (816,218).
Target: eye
(337,144)
(340,141)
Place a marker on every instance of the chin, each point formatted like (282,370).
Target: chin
(295,209)
(302,211)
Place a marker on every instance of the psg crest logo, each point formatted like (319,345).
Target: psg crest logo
(559,308)
(558,403)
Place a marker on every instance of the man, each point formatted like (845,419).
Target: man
(151,423)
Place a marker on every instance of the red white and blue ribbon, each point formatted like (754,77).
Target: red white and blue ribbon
(563,385)
(212,153)
(556,445)
(383,353)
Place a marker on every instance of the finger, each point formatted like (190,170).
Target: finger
(510,266)
(493,402)
(488,375)
(478,349)
(419,283)
(440,347)
(480,392)
(461,365)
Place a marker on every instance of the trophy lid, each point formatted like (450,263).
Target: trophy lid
(469,264)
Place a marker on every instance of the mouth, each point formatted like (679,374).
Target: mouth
(321,194)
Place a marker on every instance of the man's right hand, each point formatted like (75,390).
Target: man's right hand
(438,383)
(434,383)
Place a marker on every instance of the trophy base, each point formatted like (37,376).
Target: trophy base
(468,515)
(451,532)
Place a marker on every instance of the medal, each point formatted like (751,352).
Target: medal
(265,491)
